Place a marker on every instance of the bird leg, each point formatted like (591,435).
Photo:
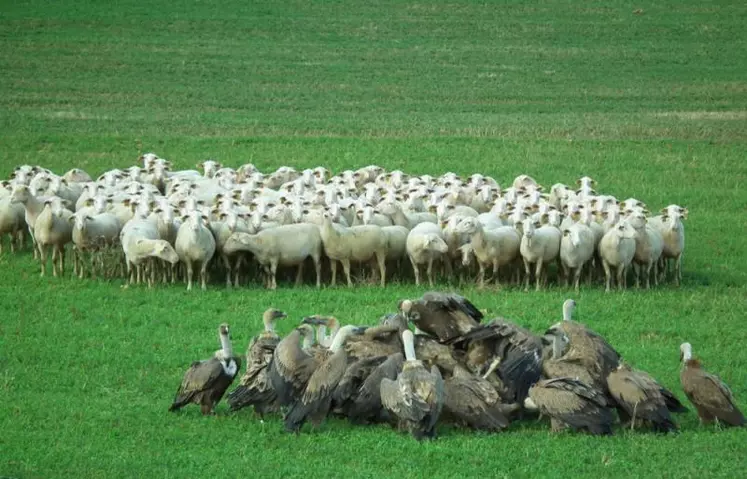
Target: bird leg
(632,419)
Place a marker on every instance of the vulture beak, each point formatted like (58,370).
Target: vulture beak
(280,314)
(315,320)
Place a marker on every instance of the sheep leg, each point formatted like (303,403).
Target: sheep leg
(637,274)
(346,267)
(608,275)
(227,264)
(678,269)
(481,274)
(272,274)
(204,275)
(538,274)
(527,273)
(54,261)
(415,269)
(318,268)
(430,270)
(655,266)
(577,277)
(299,274)
(190,274)
(647,272)
(381,259)
(237,266)
(566,273)
(621,270)
(43,259)
(333,265)
(497,273)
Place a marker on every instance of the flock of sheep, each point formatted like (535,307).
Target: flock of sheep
(233,222)
(455,367)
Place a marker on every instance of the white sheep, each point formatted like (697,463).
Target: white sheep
(576,250)
(617,249)
(53,228)
(195,244)
(357,243)
(539,246)
(648,248)
(142,247)
(672,230)
(497,247)
(33,206)
(425,244)
(12,223)
(229,223)
(92,233)
(284,245)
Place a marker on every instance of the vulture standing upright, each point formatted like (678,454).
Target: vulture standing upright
(255,388)
(315,401)
(709,394)
(292,365)
(585,347)
(416,397)
(206,381)
(640,397)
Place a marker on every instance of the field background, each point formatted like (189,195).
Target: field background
(649,98)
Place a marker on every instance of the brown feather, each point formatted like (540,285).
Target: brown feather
(710,396)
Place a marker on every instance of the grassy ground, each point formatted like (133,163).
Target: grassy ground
(651,104)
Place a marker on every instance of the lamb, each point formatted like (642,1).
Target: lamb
(141,244)
(54,229)
(195,244)
(12,222)
(648,249)
(92,233)
(425,244)
(617,249)
(539,245)
(576,249)
(285,245)
(672,230)
(396,243)
(496,247)
(357,243)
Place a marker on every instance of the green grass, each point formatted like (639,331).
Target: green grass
(652,105)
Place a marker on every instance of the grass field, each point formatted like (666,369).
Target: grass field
(651,104)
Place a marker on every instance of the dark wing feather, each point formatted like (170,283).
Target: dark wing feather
(473,401)
(354,377)
(200,377)
(454,302)
(368,405)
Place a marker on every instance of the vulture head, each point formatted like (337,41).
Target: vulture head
(270,316)
(225,351)
(568,306)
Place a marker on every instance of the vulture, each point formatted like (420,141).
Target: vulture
(205,382)
(376,341)
(433,353)
(292,365)
(255,388)
(518,350)
(315,402)
(322,323)
(558,366)
(364,404)
(416,397)
(572,403)
(472,400)
(585,347)
(640,397)
(710,395)
(443,315)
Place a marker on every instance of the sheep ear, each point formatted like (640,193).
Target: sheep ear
(544,218)
(184,218)
(205,219)
(566,232)
(71,219)
(199,165)
(578,181)
(575,216)
(88,202)
(182,203)
(126,201)
(193,186)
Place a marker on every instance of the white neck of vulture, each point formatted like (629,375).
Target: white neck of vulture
(408,340)
(308,338)
(269,323)
(341,336)
(687,351)
(225,343)
(568,310)
(321,333)
(557,348)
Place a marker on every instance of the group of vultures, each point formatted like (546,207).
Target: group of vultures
(453,368)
